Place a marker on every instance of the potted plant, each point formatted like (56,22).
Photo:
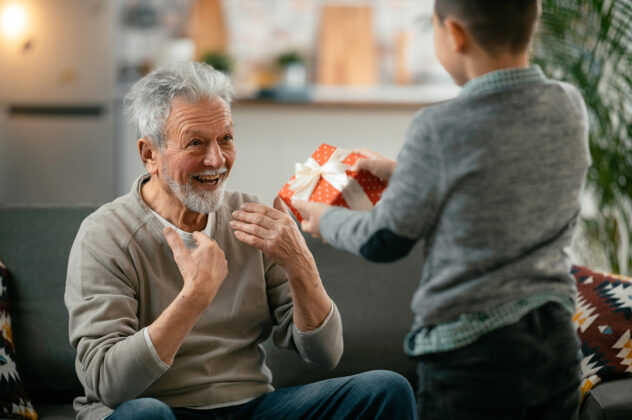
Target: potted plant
(220,60)
(589,44)
(292,67)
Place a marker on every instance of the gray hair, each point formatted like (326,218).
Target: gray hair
(149,101)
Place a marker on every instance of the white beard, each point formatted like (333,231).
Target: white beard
(200,202)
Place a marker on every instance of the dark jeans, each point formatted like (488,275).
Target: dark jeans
(528,370)
(370,395)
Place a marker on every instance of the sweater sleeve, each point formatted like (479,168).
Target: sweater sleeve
(114,360)
(408,207)
(322,346)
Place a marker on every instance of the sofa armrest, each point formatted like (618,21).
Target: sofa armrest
(611,400)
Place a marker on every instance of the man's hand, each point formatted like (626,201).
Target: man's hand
(311,212)
(203,268)
(273,232)
(380,166)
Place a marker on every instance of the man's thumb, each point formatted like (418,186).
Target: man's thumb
(173,239)
(278,204)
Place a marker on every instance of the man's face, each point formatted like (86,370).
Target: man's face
(199,152)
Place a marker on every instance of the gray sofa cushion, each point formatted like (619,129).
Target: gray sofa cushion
(55,412)
(609,400)
(34,244)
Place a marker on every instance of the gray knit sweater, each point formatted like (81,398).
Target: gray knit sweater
(122,275)
(492,182)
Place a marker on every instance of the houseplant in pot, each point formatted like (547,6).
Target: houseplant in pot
(589,44)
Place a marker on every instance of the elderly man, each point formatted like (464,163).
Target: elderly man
(172,288)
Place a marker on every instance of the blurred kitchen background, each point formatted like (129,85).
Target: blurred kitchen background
(306,72)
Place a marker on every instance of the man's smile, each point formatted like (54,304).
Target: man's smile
(208,179)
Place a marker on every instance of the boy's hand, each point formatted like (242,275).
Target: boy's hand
(380,166)
(311,212)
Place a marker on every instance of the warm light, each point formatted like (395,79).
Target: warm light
(13,20)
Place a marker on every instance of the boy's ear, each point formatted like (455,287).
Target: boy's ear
(457,35)
(148,154)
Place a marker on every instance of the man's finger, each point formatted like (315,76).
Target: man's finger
(254,230)
(250,239)
(254,218)
(200,238)
(174,240)
(278,204)
(261,208)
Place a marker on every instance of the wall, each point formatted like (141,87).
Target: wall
(56,120)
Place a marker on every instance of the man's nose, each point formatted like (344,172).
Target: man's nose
(213,156)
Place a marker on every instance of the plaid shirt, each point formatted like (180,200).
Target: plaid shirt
(469,327)
(499,80)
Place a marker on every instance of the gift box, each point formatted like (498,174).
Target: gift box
(325,177)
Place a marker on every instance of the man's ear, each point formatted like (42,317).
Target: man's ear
(148,154)
(457,34)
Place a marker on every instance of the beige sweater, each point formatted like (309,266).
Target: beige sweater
(121,276)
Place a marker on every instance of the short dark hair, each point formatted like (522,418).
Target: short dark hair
(497,25)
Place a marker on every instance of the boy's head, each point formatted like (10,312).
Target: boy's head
(496,28)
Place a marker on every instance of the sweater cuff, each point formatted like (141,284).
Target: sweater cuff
(152,351)
(322,346)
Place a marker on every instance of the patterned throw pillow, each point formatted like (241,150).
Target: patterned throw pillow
(603,318)
(14,402)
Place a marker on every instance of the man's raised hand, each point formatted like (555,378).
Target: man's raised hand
(203,268)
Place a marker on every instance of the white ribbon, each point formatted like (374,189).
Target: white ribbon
(308,174)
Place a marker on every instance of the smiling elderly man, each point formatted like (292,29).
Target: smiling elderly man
(172,288)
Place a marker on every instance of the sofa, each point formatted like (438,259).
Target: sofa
(373,300)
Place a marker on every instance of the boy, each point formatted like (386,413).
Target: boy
(491,182)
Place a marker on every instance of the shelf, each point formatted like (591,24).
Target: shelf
(413,96)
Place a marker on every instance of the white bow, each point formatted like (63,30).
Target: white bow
(307,175)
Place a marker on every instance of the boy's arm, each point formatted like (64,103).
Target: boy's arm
(405,213)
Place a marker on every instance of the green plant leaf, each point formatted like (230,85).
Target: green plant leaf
(588,43)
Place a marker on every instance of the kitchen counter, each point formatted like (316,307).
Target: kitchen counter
(371,97)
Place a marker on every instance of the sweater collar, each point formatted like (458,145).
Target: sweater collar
(500,80)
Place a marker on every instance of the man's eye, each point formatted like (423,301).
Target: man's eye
(227,138)
(195,142)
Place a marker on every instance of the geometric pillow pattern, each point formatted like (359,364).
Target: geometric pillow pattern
(603,319)
(14,402)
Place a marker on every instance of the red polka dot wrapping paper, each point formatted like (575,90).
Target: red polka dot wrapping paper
(326,193)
